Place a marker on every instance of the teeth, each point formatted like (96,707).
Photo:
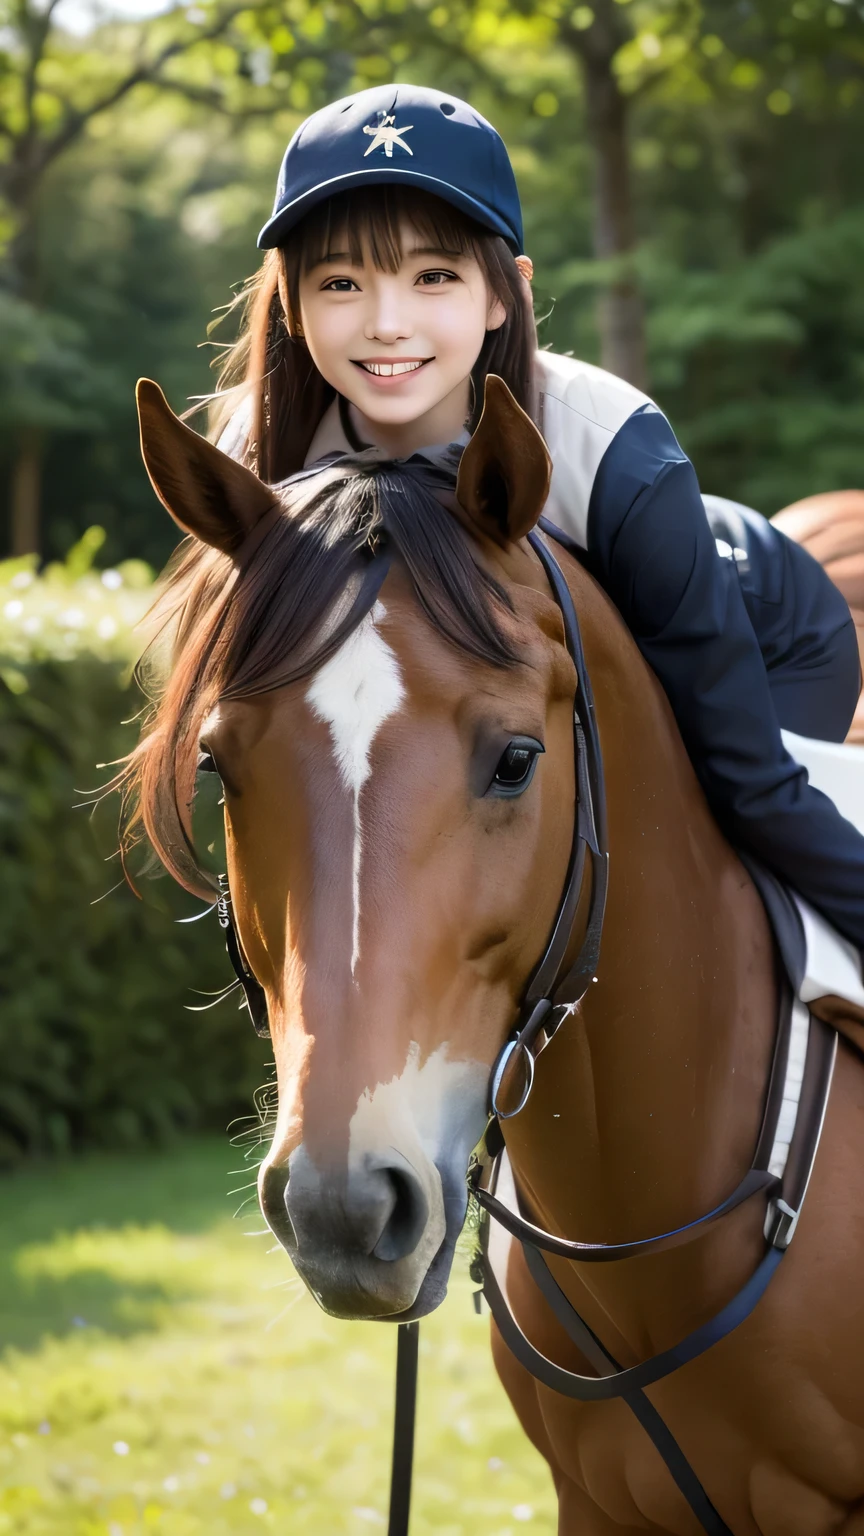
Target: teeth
(388,370)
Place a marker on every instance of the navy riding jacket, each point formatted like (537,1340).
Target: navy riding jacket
(742,627)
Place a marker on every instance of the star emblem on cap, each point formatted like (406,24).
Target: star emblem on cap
(387,134)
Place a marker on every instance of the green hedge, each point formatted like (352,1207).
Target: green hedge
(96,1044)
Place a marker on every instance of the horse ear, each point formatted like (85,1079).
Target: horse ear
(209,495)
(504,472)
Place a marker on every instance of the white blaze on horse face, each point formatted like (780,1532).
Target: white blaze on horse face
(430,1114)
(355,692)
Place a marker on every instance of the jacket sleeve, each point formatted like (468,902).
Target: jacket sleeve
(651,547)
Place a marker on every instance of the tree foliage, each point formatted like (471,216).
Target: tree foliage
(737,240)
(98,1044)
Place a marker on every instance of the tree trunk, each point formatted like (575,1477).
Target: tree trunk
(26,494)
(21,270)
(620,308)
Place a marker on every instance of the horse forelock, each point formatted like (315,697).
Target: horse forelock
(224,634)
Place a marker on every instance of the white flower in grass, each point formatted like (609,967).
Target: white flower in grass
(22,579)
(171,1484)
(112,580)
(228,1491)
(14,609)
(32,624)
(258,1506)
(203,1458)
(371,1515)
(73,618)
(106,629)
(522,1512)
(120,1448)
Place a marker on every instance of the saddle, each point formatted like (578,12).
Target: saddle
(823,967)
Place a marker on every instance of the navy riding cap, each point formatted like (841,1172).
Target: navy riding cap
(406,135)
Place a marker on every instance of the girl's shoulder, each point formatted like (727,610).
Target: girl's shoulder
(580,411)
(567,385)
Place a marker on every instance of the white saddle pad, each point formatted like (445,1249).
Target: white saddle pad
(833,964)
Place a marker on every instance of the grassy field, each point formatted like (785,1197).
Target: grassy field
(162,1372)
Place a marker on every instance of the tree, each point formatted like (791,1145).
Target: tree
(53,87)
(243,60)
(595,35)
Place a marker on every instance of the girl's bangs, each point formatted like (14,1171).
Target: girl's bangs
(370,220)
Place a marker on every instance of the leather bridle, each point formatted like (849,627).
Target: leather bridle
(554,990)
(552,993)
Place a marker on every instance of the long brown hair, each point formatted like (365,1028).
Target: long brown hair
(269,388)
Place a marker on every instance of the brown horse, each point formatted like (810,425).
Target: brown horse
(399,803)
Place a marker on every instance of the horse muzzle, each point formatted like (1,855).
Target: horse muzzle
(374,1240)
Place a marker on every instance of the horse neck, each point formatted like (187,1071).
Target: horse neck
(648,1100)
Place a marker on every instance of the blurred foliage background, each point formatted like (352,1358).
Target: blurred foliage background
(101,1039)
(692,178)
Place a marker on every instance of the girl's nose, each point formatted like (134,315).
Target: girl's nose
(388,319)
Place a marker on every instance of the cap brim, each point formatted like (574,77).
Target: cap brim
(281,223)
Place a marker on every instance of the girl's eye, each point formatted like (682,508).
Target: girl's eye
(516,767)
(436,279)
(340,285)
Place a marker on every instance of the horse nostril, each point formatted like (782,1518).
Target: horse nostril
(408,1215)
(273,1199)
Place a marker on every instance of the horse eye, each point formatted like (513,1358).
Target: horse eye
(205,762)
(516,766)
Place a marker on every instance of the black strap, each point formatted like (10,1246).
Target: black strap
(407,1345)
(596,1389)
(590,824)
(549,993)
(756,1181)
(658,1432)
(629,1384)
(601,1389)
(253,992)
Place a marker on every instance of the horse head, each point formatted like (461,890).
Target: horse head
(382,684)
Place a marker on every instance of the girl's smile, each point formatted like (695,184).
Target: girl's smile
(385,370)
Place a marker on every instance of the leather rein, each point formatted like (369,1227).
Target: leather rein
(553,992)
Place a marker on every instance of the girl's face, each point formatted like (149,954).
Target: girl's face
(400,345)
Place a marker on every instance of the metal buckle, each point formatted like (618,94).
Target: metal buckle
(781,1224)
(503,1059)
(523,1039)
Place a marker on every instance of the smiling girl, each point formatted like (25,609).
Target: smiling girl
(394,283)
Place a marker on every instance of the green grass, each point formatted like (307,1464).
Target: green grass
(162,1372)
